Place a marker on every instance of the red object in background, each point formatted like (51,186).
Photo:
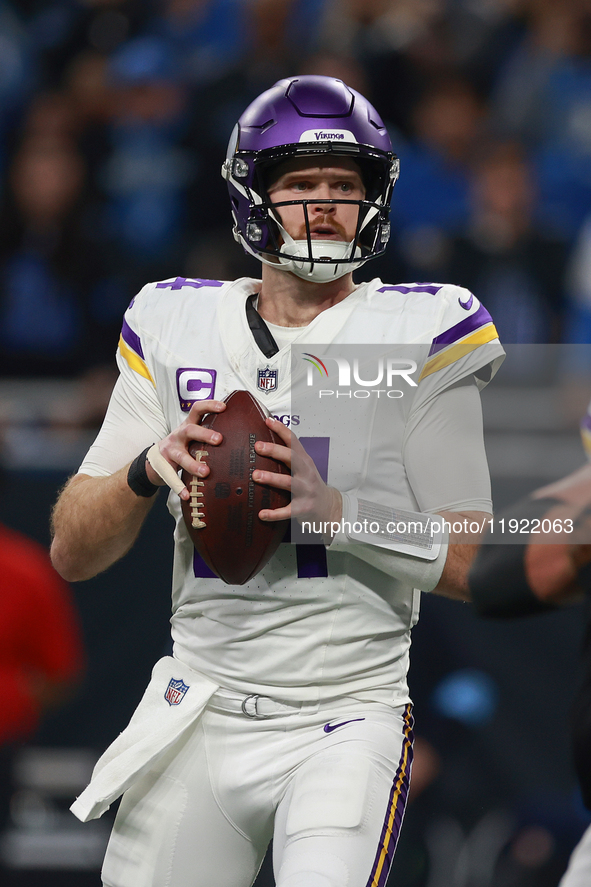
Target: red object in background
(40,642)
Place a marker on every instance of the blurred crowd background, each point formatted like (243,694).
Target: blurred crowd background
(114,121)
(115,116)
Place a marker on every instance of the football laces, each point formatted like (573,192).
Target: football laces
(196,501)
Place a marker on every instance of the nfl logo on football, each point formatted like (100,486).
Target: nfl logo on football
(175,691)
(267,380)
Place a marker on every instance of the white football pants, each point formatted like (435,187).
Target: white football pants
(332,799)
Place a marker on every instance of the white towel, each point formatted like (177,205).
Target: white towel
(175,697)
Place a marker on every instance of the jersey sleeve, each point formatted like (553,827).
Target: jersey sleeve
(444,454)
(135,418)
(465,345)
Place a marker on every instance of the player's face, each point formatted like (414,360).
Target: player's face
(319,179)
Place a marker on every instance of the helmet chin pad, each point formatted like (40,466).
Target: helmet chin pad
(303,264)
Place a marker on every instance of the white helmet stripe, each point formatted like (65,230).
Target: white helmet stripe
(247,192)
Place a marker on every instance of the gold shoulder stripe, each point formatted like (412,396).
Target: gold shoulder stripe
(460,349)
(135,362)
(586,436)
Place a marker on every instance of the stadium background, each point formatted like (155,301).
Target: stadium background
(114,118)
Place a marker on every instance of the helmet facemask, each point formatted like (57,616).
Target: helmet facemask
(315,258)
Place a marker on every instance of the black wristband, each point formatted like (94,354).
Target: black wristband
(137,477)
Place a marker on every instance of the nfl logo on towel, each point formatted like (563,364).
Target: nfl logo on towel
(175,691)
(267,379)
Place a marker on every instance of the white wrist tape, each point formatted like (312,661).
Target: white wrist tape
(407,545)
(408,532)
(164,469)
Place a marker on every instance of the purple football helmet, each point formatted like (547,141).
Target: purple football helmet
(307,116)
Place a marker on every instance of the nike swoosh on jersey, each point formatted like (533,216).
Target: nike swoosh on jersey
(468,303)
(328,728)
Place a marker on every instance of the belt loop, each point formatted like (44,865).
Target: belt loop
(310,708)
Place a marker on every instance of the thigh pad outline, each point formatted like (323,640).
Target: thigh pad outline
(329,792)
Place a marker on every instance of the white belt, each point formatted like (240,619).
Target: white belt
(255,706)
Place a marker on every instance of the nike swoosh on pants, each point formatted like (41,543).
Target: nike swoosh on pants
(328,728)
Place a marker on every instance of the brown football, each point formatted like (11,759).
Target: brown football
(222,515)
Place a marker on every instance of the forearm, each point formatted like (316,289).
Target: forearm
(462,550)
(95,522)
(454,578)
(447,575)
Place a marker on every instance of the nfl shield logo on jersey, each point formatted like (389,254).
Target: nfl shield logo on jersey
(267,380)
(175,691)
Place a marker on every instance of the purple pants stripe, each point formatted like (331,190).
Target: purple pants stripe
(395,810)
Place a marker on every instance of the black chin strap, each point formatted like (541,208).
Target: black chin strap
(260,330)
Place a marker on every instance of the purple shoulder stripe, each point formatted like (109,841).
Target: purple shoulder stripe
(180,282)
(132,339)
(480,318)
(414,288)
(586,421)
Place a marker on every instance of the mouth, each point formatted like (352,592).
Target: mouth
(326,232)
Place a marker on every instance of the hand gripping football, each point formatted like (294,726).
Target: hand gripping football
(222,515)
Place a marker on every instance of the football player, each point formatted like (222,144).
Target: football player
(540,573)
(284,710)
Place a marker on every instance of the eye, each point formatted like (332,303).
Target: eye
(300,186)
(345,187)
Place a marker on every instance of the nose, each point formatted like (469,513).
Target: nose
(322,192)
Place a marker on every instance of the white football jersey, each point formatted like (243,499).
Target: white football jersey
(315,623)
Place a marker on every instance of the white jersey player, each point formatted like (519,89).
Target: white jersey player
(284,711)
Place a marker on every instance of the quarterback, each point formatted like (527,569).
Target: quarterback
(284,711)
